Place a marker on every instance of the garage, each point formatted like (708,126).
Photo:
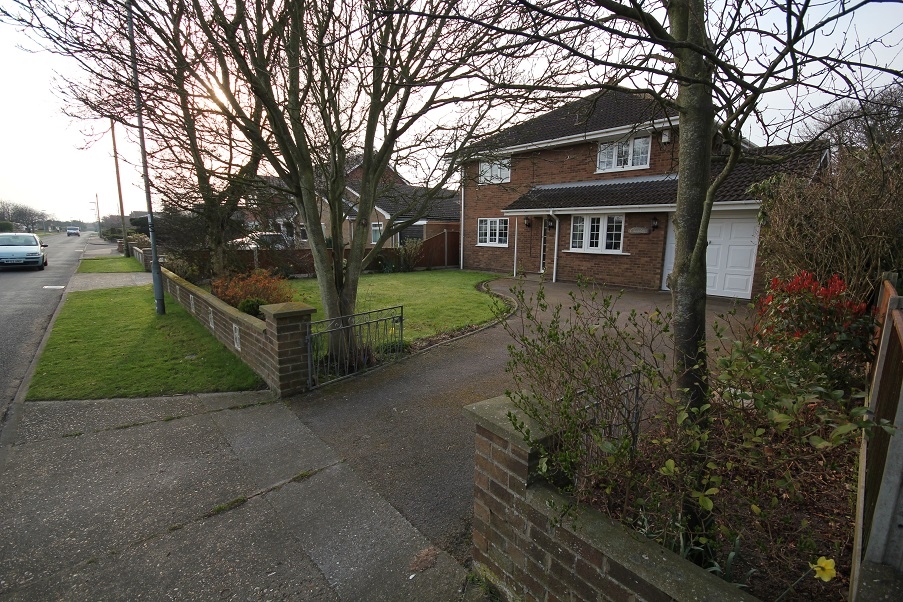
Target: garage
(730,256)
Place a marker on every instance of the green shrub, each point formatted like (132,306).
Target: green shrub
(258,284)
(770,461)
(252,306)
(184,268)
(142,241)
(7,227)
(409,253)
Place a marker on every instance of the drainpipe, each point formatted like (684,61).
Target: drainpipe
(555,256)
(461,228)
(514,271)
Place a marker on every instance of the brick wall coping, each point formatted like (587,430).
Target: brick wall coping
(286,310)
(492,415)
(670,576)
(233,313)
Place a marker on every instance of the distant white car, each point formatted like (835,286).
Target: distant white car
(73,231)
(261,240)
(22,249)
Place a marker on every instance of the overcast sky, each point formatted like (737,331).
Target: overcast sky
(43,162)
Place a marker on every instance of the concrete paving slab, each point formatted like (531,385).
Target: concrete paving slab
(87,282)
(54,419)
(272,444)
(243,554)
(363,546)
(222,401)
(50,419)
(98,247)
(72,500)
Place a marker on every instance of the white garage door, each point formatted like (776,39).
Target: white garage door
(730,257)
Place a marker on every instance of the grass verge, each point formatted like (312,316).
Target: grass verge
(111,343)
(109,265)
(435,301)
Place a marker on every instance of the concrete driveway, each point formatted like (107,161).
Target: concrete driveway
(402,429)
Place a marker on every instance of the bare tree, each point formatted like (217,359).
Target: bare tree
(21,214)
(355,79)
(201,164)
(874,121)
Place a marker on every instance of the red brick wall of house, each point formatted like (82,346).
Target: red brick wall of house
(575,163)
(639,267)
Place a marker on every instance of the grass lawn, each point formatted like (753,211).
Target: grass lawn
(109,265)
(111,343)
(435,301)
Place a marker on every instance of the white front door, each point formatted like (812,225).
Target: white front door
(730,257)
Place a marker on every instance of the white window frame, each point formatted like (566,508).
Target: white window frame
(622,155)
(495,172)
(489,231)
(590,233)
(376,230)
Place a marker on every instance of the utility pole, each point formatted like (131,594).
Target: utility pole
(125,236)
(155,259)
(97,207)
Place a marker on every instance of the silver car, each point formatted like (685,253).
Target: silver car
(22,249)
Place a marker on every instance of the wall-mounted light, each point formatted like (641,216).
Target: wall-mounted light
(527,221)
(654,223)
(550,224)
(666,136)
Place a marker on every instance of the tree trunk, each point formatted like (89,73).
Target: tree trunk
(688,280)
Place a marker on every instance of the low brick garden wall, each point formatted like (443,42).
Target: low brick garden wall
(275,348)
(519,546)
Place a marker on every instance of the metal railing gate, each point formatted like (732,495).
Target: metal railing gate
(350,344)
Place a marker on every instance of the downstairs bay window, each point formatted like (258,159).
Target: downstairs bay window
(597,233)
(492,231)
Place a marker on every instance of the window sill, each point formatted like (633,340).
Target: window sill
(586,252)
(620,169)
(492,244)
(493,183)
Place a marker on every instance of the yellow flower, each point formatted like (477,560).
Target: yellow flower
(824,569)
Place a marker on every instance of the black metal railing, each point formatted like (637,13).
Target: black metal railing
(351,344)
(614,420)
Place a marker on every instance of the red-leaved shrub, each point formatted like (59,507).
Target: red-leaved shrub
(808,321)
(258,284)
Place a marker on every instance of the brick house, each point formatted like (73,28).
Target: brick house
(436,210)
(589,189)
(270,209)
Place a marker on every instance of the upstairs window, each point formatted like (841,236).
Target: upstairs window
(597,233)
(492,231)
(632,153)
(495,172)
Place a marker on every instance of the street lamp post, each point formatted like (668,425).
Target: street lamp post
(156,275)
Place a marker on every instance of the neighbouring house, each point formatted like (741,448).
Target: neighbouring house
(589,189)
(436,211)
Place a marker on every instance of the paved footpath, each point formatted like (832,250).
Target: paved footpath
(221,496)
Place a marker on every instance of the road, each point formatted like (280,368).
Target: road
(28,298)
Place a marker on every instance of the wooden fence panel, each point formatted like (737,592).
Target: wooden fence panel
(880,497)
